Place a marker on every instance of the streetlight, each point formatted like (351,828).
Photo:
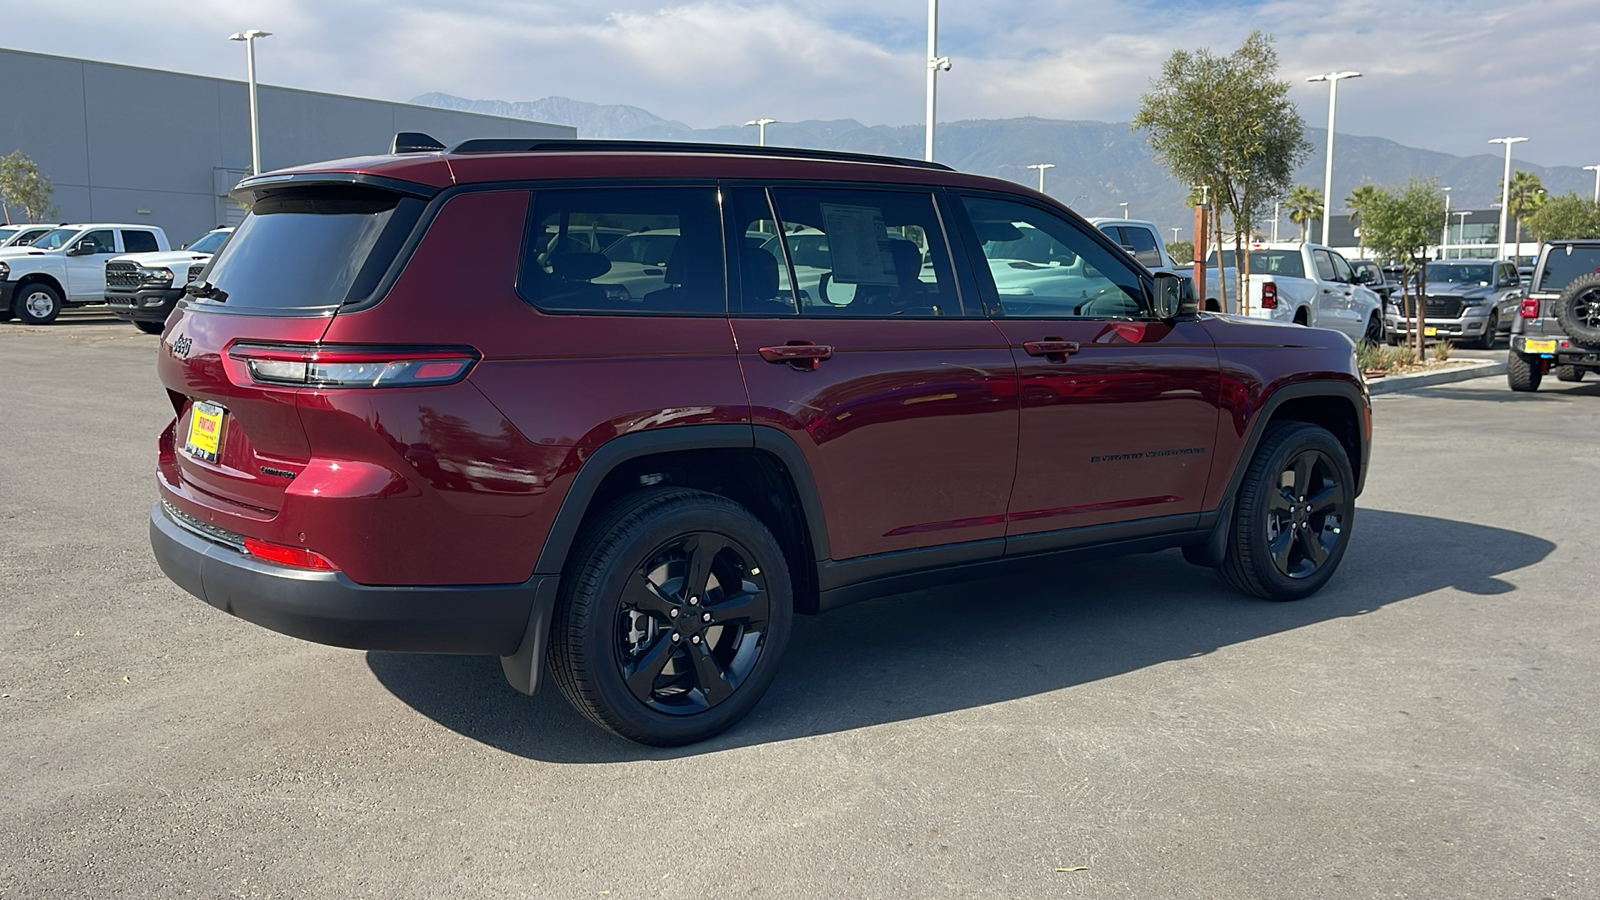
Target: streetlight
(1461,228)
(1505,189)
(1124,209)
(1444,237)
(249,38)
(761,124)
(1041,167)
(936,64)
(1277,214)
(1175,234)
(1332,78)
(1596,170)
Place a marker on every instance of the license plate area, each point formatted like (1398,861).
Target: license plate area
(205,430)
(1430,331)
(1533,346)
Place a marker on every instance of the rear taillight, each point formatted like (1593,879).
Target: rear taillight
(313,365)
(299,557)
(1269,295)
(1530,308)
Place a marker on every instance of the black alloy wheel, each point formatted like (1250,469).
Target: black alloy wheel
(674,613)
(691,624)
(1374,335)
(1306,514)
(1491,331)
(1293,514)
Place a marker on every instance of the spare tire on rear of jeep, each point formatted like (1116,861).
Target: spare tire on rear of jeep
(1578,309)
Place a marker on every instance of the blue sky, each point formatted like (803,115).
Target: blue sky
(1440,74)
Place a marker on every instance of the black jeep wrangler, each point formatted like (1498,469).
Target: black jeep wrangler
(1559,328)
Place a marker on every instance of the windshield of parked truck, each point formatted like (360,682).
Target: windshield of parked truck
(1565,263)
(55,240)
(209,242)
(1460,274)
(648,248)
(1268,262)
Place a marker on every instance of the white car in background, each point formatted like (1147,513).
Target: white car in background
(67,267)
(23,235)
(144,288)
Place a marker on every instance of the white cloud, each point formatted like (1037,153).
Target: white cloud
(1441,74)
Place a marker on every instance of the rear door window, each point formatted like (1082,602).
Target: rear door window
(139,242)
(1325,269)
(652,251)
(858,252)
(311,248)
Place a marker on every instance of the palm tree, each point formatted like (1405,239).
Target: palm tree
(1358,201)
(1527,193)
(1305,206)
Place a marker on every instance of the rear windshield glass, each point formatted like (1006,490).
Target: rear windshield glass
(1561,266)
(311,248)
(1287,263)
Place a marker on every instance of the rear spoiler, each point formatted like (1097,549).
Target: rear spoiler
(254,188)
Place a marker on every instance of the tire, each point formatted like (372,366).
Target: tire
(646,659)
(1569,373)
(1523,373)
(36,303)
(1265,560)
(151,327)
(1578,309)
(1490,331)
(1374,333)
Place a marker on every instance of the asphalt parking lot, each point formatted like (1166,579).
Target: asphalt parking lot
(1425,727)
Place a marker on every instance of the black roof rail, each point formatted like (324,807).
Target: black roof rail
(523,145)
(415,142)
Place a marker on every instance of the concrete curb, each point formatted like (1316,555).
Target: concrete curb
(1476,368)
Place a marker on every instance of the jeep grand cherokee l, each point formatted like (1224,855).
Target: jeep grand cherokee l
(410,414)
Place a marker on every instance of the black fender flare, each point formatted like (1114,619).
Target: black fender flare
(1342,390)
(613,453)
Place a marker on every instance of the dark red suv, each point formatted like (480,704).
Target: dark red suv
(629,407)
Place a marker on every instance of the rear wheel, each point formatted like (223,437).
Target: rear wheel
(675,614)
(150,327)
(1293,516)
(36,303)
(1569,373)
(1524,372)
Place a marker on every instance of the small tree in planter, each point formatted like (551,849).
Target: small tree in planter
(1400,224)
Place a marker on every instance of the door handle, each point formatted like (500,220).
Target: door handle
(1053,349)
(804,357)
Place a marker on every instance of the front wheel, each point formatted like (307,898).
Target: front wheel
(1524,372)
(1491,331)
(37,304)
(675,613)
(1374,333)
(1292,518)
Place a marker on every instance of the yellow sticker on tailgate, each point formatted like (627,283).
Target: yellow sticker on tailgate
(205,430)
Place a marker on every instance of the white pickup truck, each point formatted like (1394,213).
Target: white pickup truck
(67,267)
(1306,284)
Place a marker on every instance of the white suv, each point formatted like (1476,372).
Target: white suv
(67,267)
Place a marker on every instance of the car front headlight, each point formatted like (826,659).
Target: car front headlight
(5,271)
(1472,301)
(158,275)
(194,272)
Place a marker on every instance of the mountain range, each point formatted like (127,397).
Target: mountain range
(1098,165)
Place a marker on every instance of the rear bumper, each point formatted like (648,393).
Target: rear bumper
(144,305)
(329,608)
(1559,348)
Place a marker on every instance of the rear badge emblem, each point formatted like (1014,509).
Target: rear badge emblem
(281,473)
(180,347)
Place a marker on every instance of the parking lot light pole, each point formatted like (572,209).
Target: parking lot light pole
(1505,189)
(249,38)
(1124,210)
(1041,167)
(1332,78)
(936,64)
(1444,236)
(761,125)
(1596,170)
(1461,227)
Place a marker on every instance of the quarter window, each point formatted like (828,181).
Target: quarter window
(1042,266)
(650,251)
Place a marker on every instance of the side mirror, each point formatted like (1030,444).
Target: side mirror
(1170,298)
(84,247)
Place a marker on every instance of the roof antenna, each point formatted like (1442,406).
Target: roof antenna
(415,142)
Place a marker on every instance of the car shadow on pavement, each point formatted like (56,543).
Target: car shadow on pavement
(983,642)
